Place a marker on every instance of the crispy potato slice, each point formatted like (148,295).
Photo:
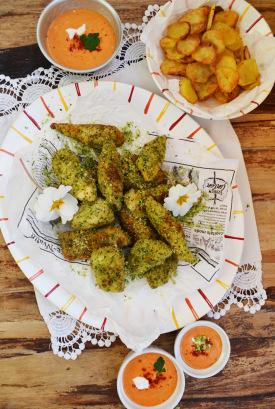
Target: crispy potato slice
(255,84)
(187,59)
(197,18)
(167,42)
(173,54)
(221,97)
(226,60)
(187,46)
(198,72)
(227,78)
(207,89)
(232,95)
(237,45)
(248,71)
(230,36)
(211,17)
(214,37)
(187,91)
(178,30)
(170,67)
(206,54)
(229,17)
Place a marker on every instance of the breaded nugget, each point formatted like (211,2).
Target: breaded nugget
(146,254)
(94,135)
(67,168)
(151,157)
(109,174)
(135,199)
(170,229)
(137,227)
(108,267)
(79,244)
(160,275)
(132,178)
(91,215)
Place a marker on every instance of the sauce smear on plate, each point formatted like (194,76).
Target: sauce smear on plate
(201,347)
(71,52)
(161,384)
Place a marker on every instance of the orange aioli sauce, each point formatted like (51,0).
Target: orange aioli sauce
(67,52)
(199,360)
(161,386)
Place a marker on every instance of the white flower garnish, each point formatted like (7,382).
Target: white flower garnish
(141,383)
(73,31)
(181,199)
(53,203)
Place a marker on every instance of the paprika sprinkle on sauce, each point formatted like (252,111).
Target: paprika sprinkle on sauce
(201,347)
(159,372)
(81,39)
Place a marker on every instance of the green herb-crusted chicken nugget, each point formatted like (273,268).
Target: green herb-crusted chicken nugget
(93,135)
(109,175)
(79,244)
(169,229)
(109,270)
(91,215)
(151,157)
(146,254)
(160,275)
(137,227)
(135,199)
(68,170)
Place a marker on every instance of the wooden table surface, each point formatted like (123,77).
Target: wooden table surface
(32,377)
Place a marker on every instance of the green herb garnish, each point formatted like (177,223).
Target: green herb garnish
(159,365)
(90,41)
(201,343)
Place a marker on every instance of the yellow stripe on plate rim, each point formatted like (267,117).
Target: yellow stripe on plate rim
(62,99)
(29,140)
(68,303)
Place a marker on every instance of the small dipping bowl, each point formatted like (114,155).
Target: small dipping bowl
(174,398)
(218,365)
(58,7)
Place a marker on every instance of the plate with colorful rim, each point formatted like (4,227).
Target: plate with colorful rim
(170,120)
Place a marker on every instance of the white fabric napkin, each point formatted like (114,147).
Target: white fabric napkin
(223,135)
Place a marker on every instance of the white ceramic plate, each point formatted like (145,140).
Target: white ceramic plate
(250,20)
(168,119)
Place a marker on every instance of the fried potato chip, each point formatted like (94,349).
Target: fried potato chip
(173,54)
(229,17)
(187,46)
(187,59)
(167,42)
(170,67)
(237,45)
(198,72)
(227,78)
(207,89)
(187,91)
(233,94)
(197,18)
(214,37)
(206,54)
(178,30)
(226,60)
(254,85)
(248,72)
(221,97)
(230,36)
(210,17)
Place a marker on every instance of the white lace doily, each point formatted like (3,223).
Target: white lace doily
(69,336)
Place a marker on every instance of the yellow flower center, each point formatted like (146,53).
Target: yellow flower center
(182,199)
(57,204)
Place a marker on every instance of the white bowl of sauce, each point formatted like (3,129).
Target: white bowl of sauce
(80,36)
(150,379)
(202,349)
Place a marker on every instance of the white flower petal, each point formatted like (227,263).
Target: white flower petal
(68,209)
(61,192)
(172,201)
